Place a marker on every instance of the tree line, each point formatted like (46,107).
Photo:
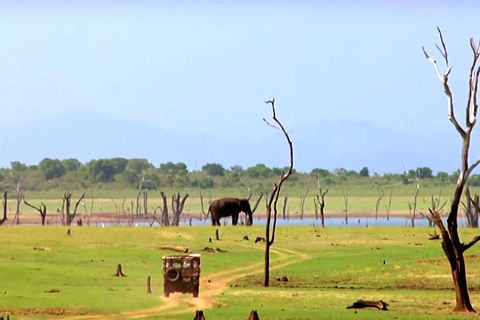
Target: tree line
(130,173)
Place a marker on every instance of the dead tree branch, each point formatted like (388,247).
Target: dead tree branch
(270,237)
(4,205)
(451,244)
(42,209)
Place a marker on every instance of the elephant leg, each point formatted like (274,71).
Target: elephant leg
(234,219)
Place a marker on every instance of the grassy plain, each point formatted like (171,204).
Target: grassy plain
(328,269)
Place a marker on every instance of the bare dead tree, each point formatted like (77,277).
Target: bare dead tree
(302,204)
(4,205)
(165,218)
(19,195)
(472,208)
(285,208)
(388,207)
(413,207)
(436,206)
(66,207)
(42,209)
(123,211)
(93,201)
(345,201)
(451,244)
(255,206)
(270,237)
(145,202)
(210,199)
(321,204)
(377,204)
(140,188)
(115,204)
(177,208)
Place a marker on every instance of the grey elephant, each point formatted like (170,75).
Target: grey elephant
(226,207)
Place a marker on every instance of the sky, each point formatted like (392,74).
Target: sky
(206,67)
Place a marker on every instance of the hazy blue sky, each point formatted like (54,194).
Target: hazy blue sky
(207,66)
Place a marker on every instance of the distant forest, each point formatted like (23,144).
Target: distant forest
(117,173)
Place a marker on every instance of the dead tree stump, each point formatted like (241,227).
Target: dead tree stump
(217,234)
(119,271)
(253,315)
(199,315)
(149,286)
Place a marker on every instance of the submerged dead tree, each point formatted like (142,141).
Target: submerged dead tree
(177,208)
(4,206)
(42,209)
(321,204)
(451,244)
(66,207)
(270,236)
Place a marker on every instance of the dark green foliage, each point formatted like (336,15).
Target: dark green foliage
(71,164)
(104,170)
(259,171)
(204,183)
(425,173)
(321,172)
(18,166)
(364,172)
(51,168)
(474,180)
(214,169)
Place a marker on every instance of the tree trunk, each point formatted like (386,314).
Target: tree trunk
(459,274)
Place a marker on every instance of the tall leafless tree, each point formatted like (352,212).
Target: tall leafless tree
(19,195)
(302,204)
(472,208)
(272,211)
(4,205)
(165,218)
(66,207)
(452,246)
(345,201)
(388,207)
(413,207)
(255,206)
(321,204)
(285,208)
(177,208)
(377,204)
(42,209)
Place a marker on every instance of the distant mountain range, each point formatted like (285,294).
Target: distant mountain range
(327,144)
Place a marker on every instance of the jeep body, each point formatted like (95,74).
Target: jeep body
(181,274)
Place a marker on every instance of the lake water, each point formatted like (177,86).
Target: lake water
(329,222)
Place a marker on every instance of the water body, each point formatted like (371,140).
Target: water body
(329,222)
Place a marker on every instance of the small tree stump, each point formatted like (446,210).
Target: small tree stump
(199,315)
(69,232)
(119,271)
(434,236)
(149,287)
(217,235)
(253,315)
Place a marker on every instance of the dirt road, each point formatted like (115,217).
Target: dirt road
(211,286)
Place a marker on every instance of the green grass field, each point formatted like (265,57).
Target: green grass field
(328,269)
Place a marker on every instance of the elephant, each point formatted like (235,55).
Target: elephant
(225,207)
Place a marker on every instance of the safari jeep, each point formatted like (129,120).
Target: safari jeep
(181,274)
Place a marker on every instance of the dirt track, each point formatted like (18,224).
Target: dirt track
(211,286)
